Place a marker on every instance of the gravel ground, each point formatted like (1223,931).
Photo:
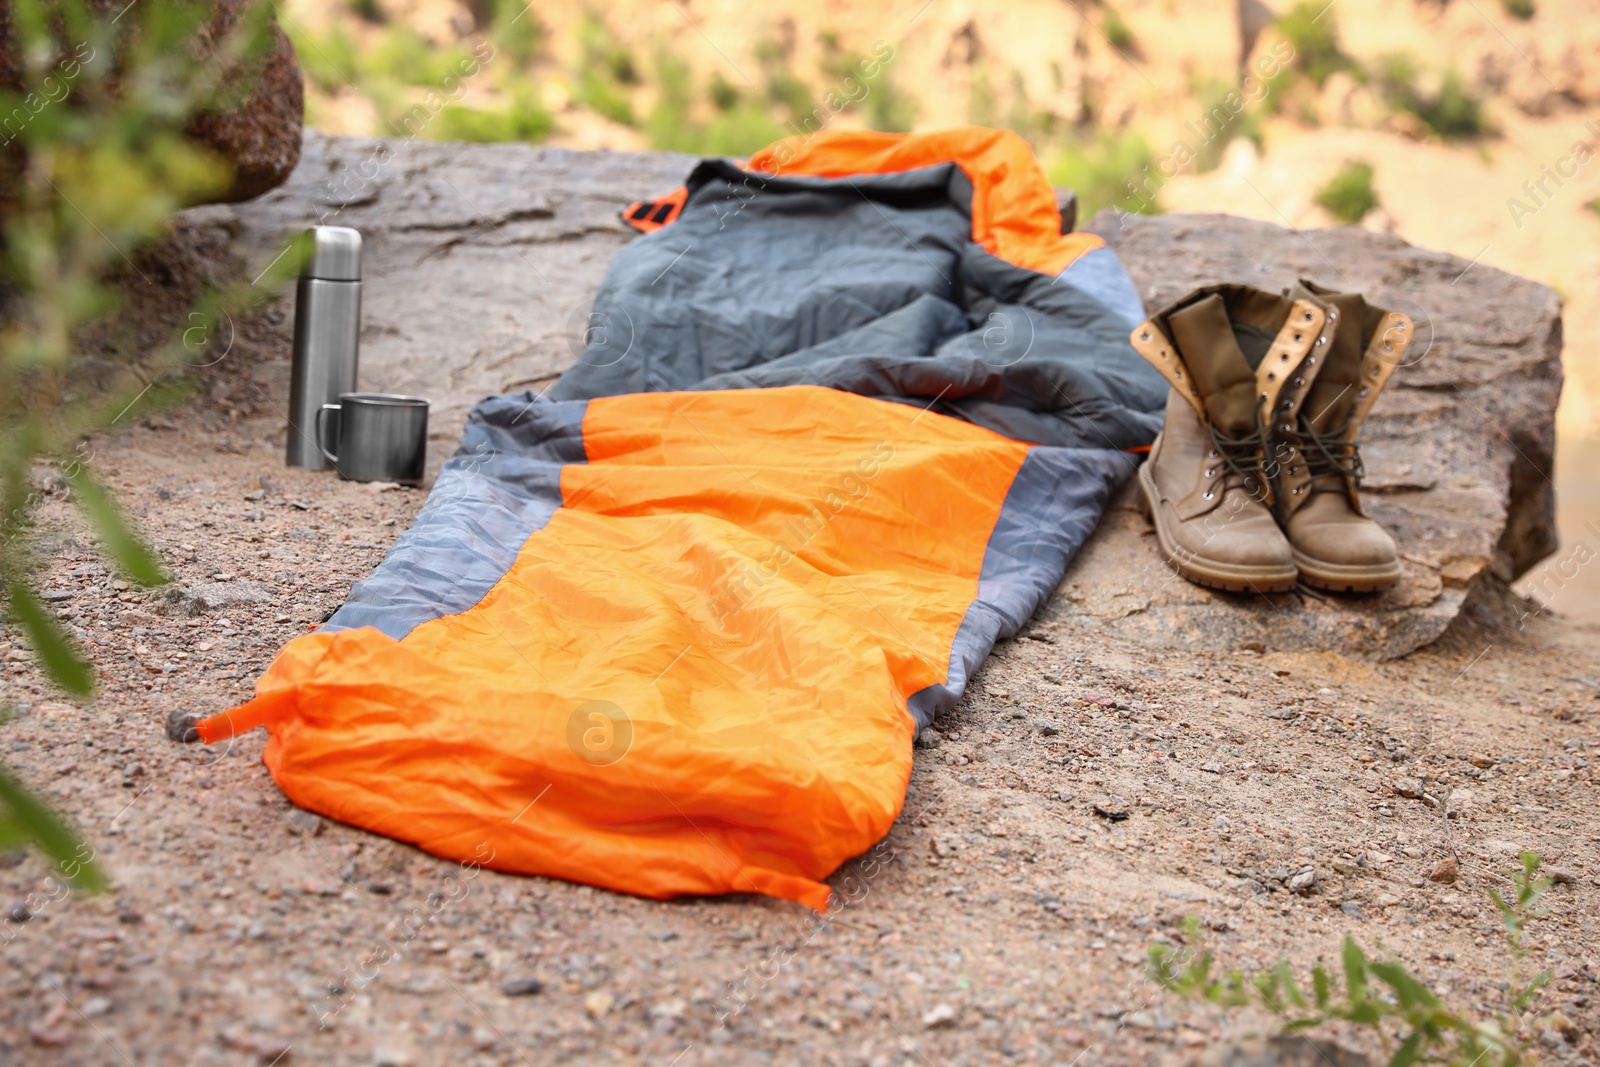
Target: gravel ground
(1086,796)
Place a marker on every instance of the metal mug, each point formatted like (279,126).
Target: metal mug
(378,437)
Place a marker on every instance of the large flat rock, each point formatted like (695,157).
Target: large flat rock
(1458,451)
(481,261)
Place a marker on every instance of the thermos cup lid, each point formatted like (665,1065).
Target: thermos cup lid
(335,254)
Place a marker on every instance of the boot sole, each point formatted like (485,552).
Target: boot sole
(1344,578)
(1223,576)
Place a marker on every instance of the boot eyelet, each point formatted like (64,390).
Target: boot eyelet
(1176,373)
(1211,472)
(1214,453)
(1311,361)
(1271,377)
(1308,316)
(1284,357)
(1144,336)
(1298,382)
(1374,372)
(1284,428)
(1363,392)
(1333,313)
(1321,341)
(1298,336)
(1207,495)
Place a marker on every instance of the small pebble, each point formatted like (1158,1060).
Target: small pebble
(523,986)
(941,1017)
(1445,871)
(304,822)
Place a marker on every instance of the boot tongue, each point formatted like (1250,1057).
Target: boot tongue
(1327,406)
(1216,365)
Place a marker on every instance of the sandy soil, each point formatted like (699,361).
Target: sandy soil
(1007,925)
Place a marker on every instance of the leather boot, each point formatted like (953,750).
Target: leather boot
(1238,360)
(1317,477)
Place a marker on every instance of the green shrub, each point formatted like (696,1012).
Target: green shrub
(1349,195)
(606,72)
(888,108)
(524,119)
(1113,170)
(1311,27)
(515,31)
(329,61)
(1453,113)
(1381,996)
(1519,9)
(1118,32)
(736,130)
(368,10)
(1221,124)
(724,94)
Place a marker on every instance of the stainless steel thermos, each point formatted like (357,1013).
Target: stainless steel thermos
(327,329)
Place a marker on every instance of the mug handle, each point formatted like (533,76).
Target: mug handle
(321,412)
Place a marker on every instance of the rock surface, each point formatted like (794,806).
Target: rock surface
(481,262)
(1458,450)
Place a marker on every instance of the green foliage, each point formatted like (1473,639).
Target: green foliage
(1311,27)
(1520,9)
(104,167)
(1454,112)
(330,61)
(1413,1023)
(369,10)
(515,31)
(402,71)
(1118,32)
(1113,170)
(522,119)
(889,108)
(25,821)
(724,95)
(739,125)
(606,73)
(1221,123)
(1349,195)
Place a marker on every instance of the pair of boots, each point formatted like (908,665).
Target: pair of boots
(1252,485)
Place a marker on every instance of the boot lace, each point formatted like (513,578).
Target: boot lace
(1244,457)
(1329,453)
